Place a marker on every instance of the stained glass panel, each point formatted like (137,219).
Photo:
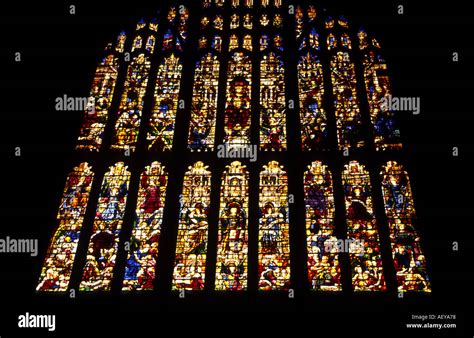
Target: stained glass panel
(274,229)
(323,259)
(409,260)
(143,248)
(364,247)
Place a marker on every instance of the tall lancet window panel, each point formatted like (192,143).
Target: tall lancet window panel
(377,84)
(237,114)
(314,122)
(57,267)
(191,246)
(130,111)
(144,242)
(232,247)
(408,257)
(364,245)
(103,244)
(349,121)
(324,272)
(168,81)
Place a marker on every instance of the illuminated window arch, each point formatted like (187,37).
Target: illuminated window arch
(366,260)
(272,103)
(162,121)
(274,230)
(237,116)
(409,260)
(103,87)
(204,105)
(103,244)
(57,266)
(131,104)
(377,85)
(232,247)
(191,246)
(143,250)
(323,261)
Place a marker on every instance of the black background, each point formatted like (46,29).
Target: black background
(59,55)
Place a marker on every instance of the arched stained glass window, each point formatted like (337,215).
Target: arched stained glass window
(143,250)
(323,259)
(234,45)
(191,248)
(377,85)
(102,249)
(162,121)
(57,266)
(103,87)
(131,104)
(274,230)
(409,260)
(272,103)
(364,245)
(238,105)
(232,248)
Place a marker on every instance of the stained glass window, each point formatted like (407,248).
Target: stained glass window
(232,248)
(102,249)
(323,262)
(57,267)
(272,103)
(131,104)
(176,32)
(143,245)
(204,109)
(160,136)
(202,127)
(274,230)
(237,111)
(409,260)
(366,260)
(377,85)
(314,132)
(191,247)
(348,116)
(320,41)
(314,129)
(103,87)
